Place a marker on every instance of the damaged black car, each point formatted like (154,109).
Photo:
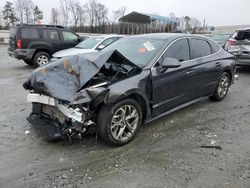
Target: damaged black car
(134,81)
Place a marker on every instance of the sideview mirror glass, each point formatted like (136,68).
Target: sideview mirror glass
(100,47)
(171,63)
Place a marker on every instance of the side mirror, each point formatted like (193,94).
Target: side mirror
(101,47)
(170,63)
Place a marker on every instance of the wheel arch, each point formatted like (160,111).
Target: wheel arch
(135,94)
(41,50)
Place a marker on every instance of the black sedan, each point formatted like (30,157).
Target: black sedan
(134,81)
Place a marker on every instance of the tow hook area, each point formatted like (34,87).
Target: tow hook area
(70,121)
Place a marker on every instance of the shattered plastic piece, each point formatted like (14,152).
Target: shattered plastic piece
(212,142)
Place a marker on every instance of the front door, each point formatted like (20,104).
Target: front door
(174,86)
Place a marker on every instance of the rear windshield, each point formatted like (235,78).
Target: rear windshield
(30,33)
(241,35)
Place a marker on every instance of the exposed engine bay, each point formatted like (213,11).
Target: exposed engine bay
(74,115)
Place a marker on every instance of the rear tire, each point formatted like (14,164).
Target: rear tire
(41,58)
(222,87)
(118,124)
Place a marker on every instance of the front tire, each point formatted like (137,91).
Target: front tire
(222,87)
(118,124)
(41,58)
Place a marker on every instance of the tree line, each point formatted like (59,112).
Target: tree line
(20,11)
(90,17)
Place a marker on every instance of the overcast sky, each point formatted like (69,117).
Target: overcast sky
(216,12)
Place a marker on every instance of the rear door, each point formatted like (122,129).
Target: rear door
(175,86)
(70,39)
(29,36)
(52,37)
(208,66)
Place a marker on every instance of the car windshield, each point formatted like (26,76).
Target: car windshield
(139,51)
(90,43)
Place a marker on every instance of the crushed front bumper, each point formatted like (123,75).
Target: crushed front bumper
(71,120)
(49,104)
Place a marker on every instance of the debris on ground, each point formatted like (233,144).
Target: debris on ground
(212,147)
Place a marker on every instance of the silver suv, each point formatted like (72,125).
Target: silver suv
(239,45)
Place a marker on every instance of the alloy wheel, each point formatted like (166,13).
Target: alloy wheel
(124,123)
(42,60)
(223,86)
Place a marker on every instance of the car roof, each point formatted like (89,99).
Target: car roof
(243,29)
(107,36)
(163,36)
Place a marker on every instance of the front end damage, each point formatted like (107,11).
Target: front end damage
(70,91)
(71,120)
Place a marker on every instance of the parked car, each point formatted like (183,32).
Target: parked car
(220,39)
(35,44)
(136,80)
(92,44)
(239,45)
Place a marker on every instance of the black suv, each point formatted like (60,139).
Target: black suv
(35,44)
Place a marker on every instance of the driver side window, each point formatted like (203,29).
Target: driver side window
(178,50)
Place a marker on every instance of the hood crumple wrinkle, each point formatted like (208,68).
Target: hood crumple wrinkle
(63,78)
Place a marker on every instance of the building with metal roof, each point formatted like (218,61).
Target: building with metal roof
(137,23)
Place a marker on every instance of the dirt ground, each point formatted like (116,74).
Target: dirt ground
(165,153)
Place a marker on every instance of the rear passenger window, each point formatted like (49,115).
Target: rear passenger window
(50,34)
(178,50)
(29,33)
(199,48)
(215,47)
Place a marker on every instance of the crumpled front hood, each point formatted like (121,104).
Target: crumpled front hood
(63,78)
(72,51)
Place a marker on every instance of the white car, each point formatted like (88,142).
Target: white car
(91,44)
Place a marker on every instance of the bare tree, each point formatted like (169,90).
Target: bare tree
(91,9)
(117,14)
(55,16)
(19,7)
(75,9)
(64,6)
(28,11)
(101,14)
(82,15)
(194,24)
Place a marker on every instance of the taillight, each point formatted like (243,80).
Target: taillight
(231,42)
(19,44)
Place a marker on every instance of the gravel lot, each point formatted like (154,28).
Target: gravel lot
(165,153)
